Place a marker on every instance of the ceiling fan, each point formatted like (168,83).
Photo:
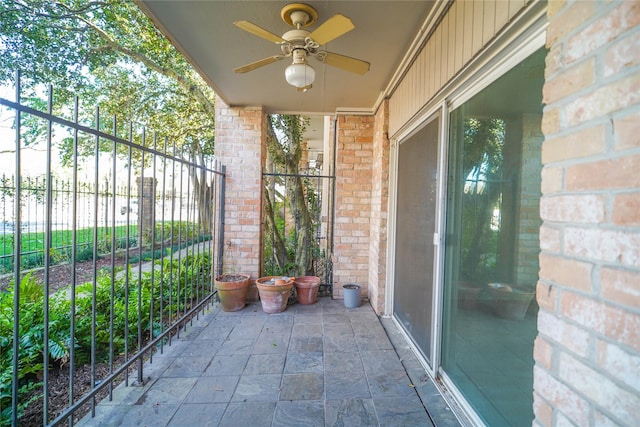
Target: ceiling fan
(300,44)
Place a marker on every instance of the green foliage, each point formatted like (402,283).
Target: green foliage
(110,54)
(483,171)
(175,286)
(31,333)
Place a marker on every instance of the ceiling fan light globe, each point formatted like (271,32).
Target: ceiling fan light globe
(300,75)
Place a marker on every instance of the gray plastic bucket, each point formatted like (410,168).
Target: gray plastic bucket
(352,297)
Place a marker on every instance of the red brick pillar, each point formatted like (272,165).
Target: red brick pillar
(240,145)
(354,159)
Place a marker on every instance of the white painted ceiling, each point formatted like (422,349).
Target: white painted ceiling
(204,32)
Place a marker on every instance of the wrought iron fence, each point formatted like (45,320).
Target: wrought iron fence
(144,221)
(33,211)
(316,190)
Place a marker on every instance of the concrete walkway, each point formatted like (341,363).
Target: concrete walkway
(315,365)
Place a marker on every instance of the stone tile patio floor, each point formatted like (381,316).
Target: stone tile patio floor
(313,365)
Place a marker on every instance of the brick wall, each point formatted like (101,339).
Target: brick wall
(587,352)
(240,138)
(528,246)
(379,209)
(354,159)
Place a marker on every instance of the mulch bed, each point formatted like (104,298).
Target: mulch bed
(60,275)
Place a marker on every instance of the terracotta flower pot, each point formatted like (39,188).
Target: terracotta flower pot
(468,295)
(274,293)
(307,289)
(510,302)
(232,289)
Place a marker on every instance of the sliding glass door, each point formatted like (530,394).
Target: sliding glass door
(415,226)
(492,245)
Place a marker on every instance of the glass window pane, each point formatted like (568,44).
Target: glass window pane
(492,246)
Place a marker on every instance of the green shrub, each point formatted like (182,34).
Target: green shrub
(31,346)
(174,288)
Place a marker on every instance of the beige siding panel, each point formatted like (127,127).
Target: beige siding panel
(502,15)
(424,86)
(467,47)
(444,40)
(437,41)
(413,93)
(515,6)
(451,51)
(489,19)
(478,20)
(432,69)
(460,34)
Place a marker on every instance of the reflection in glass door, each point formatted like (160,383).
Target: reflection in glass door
(417,186)
(492,245)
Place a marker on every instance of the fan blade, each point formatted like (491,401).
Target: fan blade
(347,63)
(252,28)
(258,64)
(331,29)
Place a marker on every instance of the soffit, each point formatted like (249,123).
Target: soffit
(204,32)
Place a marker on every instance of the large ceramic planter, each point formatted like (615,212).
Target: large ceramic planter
(232,290)
(274,293)
(468,295)
(510,302)
(307,289)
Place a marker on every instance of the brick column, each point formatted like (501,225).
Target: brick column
(528,228)
(146,208)
(354,159)
(240,145)
(379,209)
(587,352)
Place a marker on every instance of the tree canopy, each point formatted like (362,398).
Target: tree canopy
(111,55)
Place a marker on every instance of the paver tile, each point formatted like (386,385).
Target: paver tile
(198,414)
(262,364)
(391,384)
(343,362)
(304,362)
(302,387)
(167,391)
(376,361)
(322,365)
(227,364)
(254,414)
(299,413)
(257,388)
(188,367)
(305,344)
(236,346)
(401,411)
(341,386)
(149,415)
(350,412)
(213,389)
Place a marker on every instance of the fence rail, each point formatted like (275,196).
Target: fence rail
(145,220)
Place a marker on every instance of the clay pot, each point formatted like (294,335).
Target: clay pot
(510,302)
(468,295)
(274,293)
(307,289)
(232,290)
